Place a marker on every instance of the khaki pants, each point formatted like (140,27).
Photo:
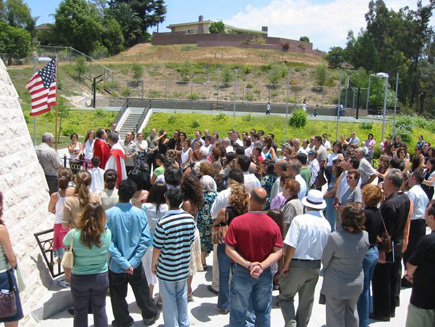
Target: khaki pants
(418,317)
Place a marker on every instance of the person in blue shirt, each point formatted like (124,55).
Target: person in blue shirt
(130,240)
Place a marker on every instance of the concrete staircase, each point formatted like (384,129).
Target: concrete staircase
(130,123)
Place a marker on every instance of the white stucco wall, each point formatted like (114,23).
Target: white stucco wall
(25,193)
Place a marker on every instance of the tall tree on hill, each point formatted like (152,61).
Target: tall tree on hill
(150,12)
(77,24)
(129,21)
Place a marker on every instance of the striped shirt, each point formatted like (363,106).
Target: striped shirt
(173,236)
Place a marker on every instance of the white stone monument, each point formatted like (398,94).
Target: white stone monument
(25,191)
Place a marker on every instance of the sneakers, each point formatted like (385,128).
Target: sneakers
(115,324)
(63,283)
(151,321)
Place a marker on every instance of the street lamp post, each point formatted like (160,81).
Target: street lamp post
(235,98)
(286,108)
(395,105)
(384,115)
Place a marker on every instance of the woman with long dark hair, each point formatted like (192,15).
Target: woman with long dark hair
(89,279)
(193,200)
(429,178)
(8,262)
(155,208)
(268,180)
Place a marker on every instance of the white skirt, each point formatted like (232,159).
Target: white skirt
(147,261)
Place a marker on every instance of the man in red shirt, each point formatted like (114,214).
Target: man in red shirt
(101,149)
(254,243)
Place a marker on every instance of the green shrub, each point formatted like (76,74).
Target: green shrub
(298,119)
(257,91)
(404,122)
(249,97)
(246,69)
(99,113)
(186,70)
(115,94)
(193,96)
(250,85)
(172,119)
(80,66)
(248,117)
(189,47)
(421,122)
(227,75)
(321,74)
(366,125)
(404,133)
(126,92)
(67,130)
(220,116)
(137,70)
(194,123)
(154,94)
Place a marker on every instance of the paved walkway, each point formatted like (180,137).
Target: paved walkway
(202,312)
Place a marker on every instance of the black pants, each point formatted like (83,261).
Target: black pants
(384,286)
(118,292)
(416,233)
(52,184)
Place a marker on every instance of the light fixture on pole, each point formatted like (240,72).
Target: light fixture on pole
(286,108)
(235,98)
(384,75)
(37,59)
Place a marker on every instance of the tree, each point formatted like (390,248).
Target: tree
(16,13)
(336,57)
(150,12)
(217,27)
(304,39)
(113,38)
(129,22)
(14,41)
(78,25)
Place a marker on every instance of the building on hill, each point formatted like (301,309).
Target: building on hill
(198,33)
(202,27)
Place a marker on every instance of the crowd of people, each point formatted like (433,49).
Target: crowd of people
(273,217)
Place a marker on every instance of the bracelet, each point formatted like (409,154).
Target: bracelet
(250,266)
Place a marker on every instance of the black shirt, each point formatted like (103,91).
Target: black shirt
(395,212)
(373,223)
(423,288)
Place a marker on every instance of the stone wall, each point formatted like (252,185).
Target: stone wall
(25,193)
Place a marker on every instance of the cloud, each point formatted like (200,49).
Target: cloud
(325,23)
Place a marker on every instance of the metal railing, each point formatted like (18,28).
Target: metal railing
(45,243)
(142,117)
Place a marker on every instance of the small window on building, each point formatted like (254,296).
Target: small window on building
(191,31)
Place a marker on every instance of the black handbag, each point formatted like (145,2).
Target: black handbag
(8,305)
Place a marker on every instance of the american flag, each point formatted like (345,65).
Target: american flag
(42,88)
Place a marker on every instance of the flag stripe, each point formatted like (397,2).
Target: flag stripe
(42,88)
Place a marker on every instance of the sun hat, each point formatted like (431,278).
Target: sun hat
(314,200)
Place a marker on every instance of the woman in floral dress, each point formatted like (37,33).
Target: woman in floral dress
(205,221)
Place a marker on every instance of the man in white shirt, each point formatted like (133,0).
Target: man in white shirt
(365,169)
(237,139)
(279,169)
(297,146)
(417,229)
(354,139)
(294,171)
(305,241)
(227,145)
(325,142)
(346,165)
(250,180)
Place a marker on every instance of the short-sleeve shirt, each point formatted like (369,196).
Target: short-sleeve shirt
(87,260)
(423,288)
(159,171)
(254,235)
(365,170)
(308,235)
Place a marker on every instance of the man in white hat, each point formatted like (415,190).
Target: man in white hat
(305,241)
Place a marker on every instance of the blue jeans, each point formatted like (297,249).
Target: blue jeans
(224,277)
(174,303)
(245,289)
(369,264)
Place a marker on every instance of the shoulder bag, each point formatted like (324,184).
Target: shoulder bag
(68,257)
(8,305)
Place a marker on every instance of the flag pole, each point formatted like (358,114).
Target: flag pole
(57,103)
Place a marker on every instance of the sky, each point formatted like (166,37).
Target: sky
(325,22)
